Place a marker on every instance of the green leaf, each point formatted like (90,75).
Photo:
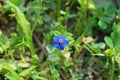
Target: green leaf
(68,63)
(27,71)
(35,60)
(11,75)
(118,14)
(118,78)
(17,2)
(4,43)
(110,10)
(53,57)
(14,41)
(61,29)
(70,39)
(108,41)
(95,48)
(54,72)
(20,17)
(116,28)
(78,41)
(68,33)
(102,24)
(24,25)
(50,49)
(100,45)
(56,33)
(4,40)
(115,38)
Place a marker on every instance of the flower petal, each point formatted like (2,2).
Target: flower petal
(65,43)
(62,37)
(60,47)
(56,38)
(55,44)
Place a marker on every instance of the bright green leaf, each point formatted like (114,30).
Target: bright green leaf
(11,75)
(27,71)
(102,24)
(53,57)
(50,49)
(17,2)
(68,63)
(35,59)
(108,41)
(110,10)
(54,72)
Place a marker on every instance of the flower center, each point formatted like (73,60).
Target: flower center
(60,41)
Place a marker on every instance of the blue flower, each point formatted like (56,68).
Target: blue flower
(60,42)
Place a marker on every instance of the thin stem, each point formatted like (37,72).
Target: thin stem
(79,39)
(112,67)
(34,25)
(82,15)
(58,9)
(87,48)
(11,54)
(72,3)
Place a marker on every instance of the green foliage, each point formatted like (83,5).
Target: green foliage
(11,75)
(4,43)
(24,25)
(9,72)
(54,72)
(27,71)
(102,24)
(91,27)
(109,41)
(17,2)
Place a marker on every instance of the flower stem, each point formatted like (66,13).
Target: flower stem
(112,67)
(58,9)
